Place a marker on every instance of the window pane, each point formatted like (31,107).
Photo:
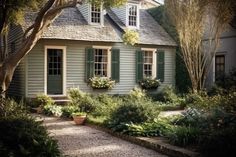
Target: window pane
(95,14)
(132,15)
(147,66)
(101,62)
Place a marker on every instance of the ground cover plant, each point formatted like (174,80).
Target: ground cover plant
(21,135)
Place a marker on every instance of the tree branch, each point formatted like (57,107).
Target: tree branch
(27,31)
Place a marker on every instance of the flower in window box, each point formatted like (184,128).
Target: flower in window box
(149,83)
(101,83)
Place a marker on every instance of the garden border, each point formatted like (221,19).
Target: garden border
(155,144)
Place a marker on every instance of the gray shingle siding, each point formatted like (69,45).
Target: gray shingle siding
(75,68)
(17,86)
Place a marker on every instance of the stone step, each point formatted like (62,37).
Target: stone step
(61,100)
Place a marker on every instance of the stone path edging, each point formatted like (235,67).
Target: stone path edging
(157,145)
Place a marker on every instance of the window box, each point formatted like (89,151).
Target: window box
(101,83)
(149,83)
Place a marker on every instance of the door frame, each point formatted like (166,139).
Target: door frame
(63,48)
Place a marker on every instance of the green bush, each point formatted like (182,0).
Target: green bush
(137,94)
(67,111)
(10,108)
(227,81)
(105,105)
(138,111)
(87,104)
(184,135)
(84,101)
(158,127)
(167,94)
(75,95)
(42,100)
(219,143)
(22,136)
(53,110)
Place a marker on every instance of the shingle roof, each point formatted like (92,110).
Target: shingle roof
(150,32)
(71,25)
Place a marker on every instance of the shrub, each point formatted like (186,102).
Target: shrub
(67,111)
(158,127)
(184,135)
(216,90)
(83,101)
(105,105)
(42,100)
(52,110)
(136,94)
(10,108)
(133,112)
(167,94)
(219,143)
(227,81)
(75,95)
(22,136)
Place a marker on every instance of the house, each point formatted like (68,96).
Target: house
(86,41)
(225,58)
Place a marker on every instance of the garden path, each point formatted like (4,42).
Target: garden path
(84,141)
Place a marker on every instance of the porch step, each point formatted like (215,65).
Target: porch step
(61,100)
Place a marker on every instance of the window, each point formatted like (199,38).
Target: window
(150,63)
(100,62)
(147,63)
(95,14)
(219,66)
(132,15)
(54,61)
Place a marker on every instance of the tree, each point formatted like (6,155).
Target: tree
(11,11)
(196,20)
(182,79)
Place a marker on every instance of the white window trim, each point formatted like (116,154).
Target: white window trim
(108,48)
(154,60)
(63,48)
(101,16)
(127,16)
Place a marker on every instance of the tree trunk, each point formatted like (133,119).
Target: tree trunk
(6,74)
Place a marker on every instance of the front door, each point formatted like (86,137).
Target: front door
(54,71)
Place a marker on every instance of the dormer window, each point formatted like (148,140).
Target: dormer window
(95,14)
(132,15)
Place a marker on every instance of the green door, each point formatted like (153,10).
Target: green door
(54,71)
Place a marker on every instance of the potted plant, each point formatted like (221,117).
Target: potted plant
(79,117)
(101,83)
(149,83)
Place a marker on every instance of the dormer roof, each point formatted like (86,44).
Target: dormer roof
(71,25)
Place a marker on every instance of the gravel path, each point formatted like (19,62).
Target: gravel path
(84,141)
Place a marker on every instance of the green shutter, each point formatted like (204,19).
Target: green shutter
(89,63)
(139,65)
(115,65)
(161,65)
